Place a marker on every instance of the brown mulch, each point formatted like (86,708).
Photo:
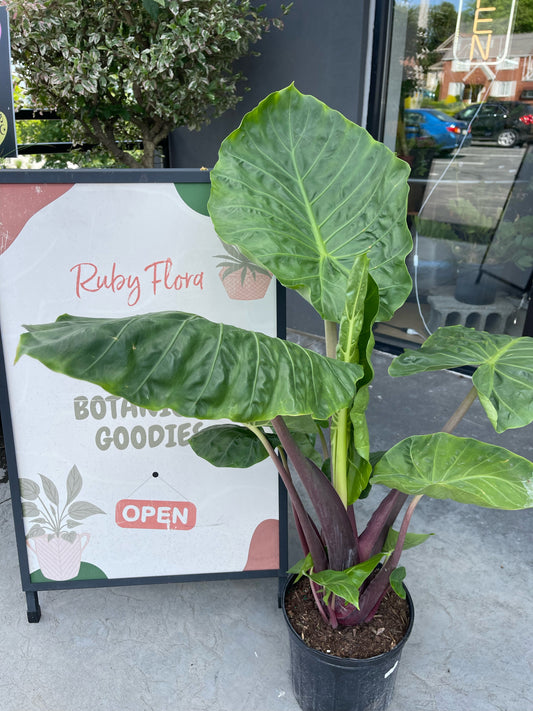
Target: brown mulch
(387,628)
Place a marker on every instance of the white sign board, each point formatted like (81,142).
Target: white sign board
(111,491)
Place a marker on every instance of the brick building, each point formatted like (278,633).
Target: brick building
(510,79)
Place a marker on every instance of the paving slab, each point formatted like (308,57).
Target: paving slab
(222,646)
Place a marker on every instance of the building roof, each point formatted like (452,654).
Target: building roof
(521,46)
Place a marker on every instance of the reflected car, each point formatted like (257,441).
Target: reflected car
(508,123)
(431,128)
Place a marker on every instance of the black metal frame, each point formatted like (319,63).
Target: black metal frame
(379,71)
(31,588)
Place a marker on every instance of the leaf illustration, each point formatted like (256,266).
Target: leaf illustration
(29,489)
(318,191)
(29,510)
(70,537)
(194,366)
(50,489)
(73,524)
(74,484)
(35,531)
(83,509)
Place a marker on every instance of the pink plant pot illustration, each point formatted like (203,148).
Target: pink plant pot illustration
(254,286)
(58,558)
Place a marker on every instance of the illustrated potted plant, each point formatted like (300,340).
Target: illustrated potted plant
(51,537)
(242,279)
(311,197)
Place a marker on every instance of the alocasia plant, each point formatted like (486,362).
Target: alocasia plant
(312,198)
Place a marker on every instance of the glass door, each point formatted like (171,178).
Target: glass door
(459,110)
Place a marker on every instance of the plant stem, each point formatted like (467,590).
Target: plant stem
(49,515)
(371,598)
(330,330)
(318,601)
(373,537)
(339,433)
(313,541)
(323,442)
(460,412)
(339,456)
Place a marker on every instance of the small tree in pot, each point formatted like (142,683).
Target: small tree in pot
(312,198)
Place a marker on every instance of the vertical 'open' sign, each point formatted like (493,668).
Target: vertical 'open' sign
(483,32)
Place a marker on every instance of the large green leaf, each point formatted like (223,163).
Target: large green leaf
(229,446)
(356,342)
(468,471)
(302,191)
(193,366)
(503,379)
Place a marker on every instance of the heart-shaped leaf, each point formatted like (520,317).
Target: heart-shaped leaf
(302,191)
(396,582)
(29,489)
(468,471)
(35,531)
(193,366)
(504,376)
(30,510)
(230,446)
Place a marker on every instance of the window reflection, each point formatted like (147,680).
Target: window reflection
(460,113)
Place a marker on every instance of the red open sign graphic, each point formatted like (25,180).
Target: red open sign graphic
(163,515)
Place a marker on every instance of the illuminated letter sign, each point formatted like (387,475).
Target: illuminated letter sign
(484,37)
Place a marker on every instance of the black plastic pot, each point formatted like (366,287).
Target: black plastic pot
(474,287)
(322,682)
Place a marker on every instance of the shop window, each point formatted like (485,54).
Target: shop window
(469,143)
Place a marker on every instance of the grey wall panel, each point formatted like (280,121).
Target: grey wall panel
(323,49)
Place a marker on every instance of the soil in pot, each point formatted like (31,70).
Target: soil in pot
(383,633)
(325,674)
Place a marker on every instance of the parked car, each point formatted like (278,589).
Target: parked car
(509,123)
(431,128)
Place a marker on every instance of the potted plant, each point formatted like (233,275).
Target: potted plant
(242,279)
(51,536)
(314,199)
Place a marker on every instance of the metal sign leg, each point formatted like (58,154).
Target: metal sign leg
(34,609)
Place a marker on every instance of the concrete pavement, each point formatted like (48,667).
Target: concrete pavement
(222,646)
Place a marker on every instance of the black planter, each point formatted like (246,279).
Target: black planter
(473,286)
(322,682)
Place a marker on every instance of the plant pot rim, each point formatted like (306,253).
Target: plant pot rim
(348,661)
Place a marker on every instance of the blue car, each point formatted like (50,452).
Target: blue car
(431,128)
